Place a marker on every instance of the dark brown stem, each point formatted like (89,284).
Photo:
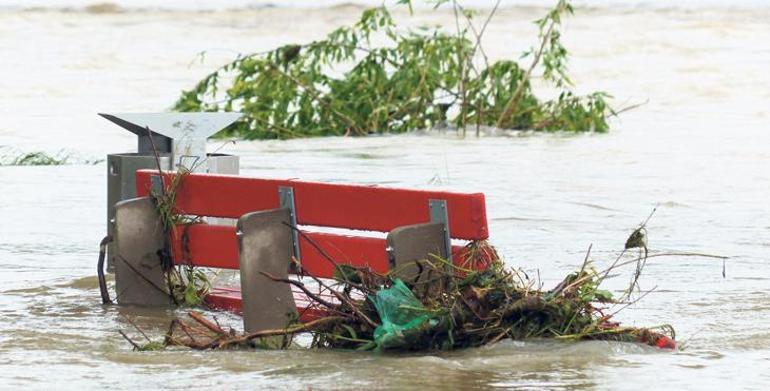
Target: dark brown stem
(275,332)
(301,286)
(207,324)
(136,347)
(510,107)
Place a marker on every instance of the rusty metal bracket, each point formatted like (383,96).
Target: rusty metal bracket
(286,197)
(439,214)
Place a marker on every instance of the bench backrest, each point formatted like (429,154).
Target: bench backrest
(355,207)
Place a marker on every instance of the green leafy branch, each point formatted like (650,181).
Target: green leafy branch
(417,79)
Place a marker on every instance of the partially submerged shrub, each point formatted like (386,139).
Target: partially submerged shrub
(35,159)
(447,307)
(13,157)
(443,305)
(418,79)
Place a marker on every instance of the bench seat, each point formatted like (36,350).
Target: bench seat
(229,299)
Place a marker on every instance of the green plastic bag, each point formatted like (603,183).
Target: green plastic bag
(399,311)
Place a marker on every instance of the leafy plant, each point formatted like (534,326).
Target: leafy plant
(38,159)
(14,157)
(187,284)
(345,85)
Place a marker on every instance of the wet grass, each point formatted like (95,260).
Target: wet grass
(36,159)
(11,157)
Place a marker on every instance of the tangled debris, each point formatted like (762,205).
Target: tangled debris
(446,307)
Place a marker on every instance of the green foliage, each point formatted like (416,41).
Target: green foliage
(152,346)
(187,284)
(38,159)
(193,285)
(345,85)
(554,54)
(13,157)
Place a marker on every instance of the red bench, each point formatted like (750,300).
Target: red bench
(350,207)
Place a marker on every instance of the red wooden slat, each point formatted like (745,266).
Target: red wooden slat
(343,249)
(217,246)
(224,300)
(324,204)
(206,245)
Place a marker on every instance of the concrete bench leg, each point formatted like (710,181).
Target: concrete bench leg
(409,246)
(139,277)
(265,246)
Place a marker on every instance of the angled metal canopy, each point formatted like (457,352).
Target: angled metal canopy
(182,134)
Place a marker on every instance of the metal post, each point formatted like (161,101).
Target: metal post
(286,196)
(439,214)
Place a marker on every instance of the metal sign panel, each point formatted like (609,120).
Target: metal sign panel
(188,132)
(440,214)
(286,196)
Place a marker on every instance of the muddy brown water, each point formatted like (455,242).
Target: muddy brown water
(699,149)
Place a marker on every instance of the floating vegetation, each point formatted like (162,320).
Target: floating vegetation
(12,157)
(417,79)
(456,309)
(446,307)
(35,159)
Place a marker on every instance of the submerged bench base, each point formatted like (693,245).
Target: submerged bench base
(229,299)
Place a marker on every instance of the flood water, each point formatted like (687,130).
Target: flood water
(698,149)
